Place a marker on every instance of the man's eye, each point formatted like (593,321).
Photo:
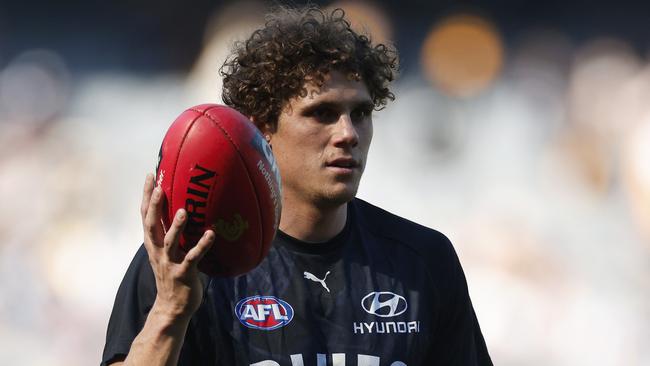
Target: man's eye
(361,114)
(325,115)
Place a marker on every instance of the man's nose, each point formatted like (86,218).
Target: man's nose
(346,132)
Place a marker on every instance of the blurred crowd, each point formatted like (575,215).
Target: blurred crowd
(532,156)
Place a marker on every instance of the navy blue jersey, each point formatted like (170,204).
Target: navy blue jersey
(383,292)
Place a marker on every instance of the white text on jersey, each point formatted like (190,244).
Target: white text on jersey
(262,311)
(386,327)
(338,359)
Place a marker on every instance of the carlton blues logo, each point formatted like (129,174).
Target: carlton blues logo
(264,312)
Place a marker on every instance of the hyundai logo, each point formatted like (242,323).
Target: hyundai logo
(384,304)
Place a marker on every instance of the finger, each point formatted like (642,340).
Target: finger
(200,249)
(173,234)
(153,229)
(146,195)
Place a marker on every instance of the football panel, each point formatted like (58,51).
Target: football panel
(168,157)
(218,194)
(258,157)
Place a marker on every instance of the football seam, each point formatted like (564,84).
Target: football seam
(178,156)
(248,175)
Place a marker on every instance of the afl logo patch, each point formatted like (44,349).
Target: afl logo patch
(263,312)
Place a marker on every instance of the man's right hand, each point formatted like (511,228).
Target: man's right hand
(180,290)
(179,287)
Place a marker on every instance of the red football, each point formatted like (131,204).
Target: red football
(217,165)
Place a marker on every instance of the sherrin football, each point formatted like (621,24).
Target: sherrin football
(217,165)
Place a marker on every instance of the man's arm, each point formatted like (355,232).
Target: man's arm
(179,289)
(459,340)
(159,342)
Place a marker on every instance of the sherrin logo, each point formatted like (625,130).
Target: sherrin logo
(264,312)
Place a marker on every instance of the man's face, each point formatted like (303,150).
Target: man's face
(321,142)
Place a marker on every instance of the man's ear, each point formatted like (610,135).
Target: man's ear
(267,129)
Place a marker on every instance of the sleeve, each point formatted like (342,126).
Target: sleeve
(134,299)
(458,339)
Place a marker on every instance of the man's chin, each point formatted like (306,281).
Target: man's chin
(338,197)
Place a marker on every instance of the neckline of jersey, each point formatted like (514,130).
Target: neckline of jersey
(326,247)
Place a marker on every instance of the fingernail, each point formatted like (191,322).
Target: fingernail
(180,214)
(157,191)
(209,235)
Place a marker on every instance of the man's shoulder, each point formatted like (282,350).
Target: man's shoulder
(392,227)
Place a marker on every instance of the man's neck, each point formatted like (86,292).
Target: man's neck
(309,223)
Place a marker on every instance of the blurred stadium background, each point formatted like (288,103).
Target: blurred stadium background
(520,129)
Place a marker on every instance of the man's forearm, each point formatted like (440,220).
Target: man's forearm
(160,341)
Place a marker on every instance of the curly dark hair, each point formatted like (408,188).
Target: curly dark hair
(296,46)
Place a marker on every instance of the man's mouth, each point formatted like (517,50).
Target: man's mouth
(344,165)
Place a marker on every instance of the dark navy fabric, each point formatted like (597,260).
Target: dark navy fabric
(395,295)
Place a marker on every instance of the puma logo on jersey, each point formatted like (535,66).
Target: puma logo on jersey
(310,276)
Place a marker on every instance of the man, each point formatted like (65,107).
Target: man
(345,283)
